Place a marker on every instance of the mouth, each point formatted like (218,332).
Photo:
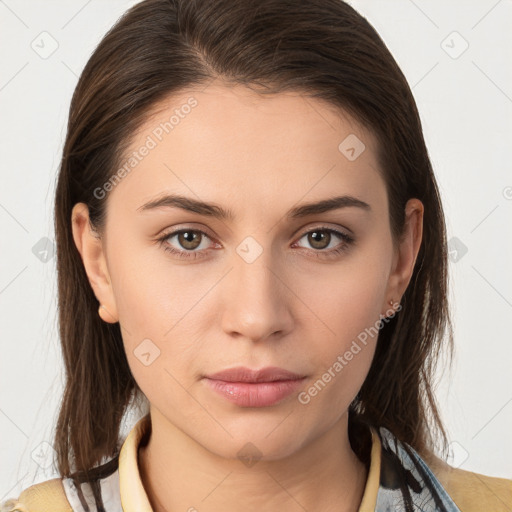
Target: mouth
(255,388)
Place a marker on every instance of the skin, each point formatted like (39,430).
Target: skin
(258,157)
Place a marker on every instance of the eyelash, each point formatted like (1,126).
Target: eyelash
(320,253)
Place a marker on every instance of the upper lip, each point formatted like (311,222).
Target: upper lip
(243,374)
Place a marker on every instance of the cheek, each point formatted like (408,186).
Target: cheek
(153,294)
(159,303)
(346,299)
(347,304)
(342,359)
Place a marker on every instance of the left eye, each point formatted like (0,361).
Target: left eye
(320,238)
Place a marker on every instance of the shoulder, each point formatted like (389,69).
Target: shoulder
(428,478)
(46,496)
(472,492)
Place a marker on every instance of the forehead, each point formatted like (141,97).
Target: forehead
(230,143)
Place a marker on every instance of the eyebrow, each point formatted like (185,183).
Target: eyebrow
(215,211)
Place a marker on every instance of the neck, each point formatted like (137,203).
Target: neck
(180,474)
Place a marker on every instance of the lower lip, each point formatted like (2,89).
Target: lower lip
(261,394)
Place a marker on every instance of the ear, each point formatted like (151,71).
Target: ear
(405,255)
(90,247)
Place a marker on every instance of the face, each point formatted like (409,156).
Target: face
(268,283)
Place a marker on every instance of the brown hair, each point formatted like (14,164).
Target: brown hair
(321,48)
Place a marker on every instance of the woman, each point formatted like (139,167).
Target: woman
(252,250)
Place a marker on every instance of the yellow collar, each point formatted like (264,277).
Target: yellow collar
(135,499)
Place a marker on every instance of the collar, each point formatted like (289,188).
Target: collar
(135,499)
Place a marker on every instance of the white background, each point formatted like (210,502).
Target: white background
(466,110)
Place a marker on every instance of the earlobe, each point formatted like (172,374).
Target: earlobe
(106,316)
(90,247)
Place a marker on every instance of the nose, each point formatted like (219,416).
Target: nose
(257,299)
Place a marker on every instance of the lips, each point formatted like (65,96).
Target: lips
(255,388)
(243,374)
